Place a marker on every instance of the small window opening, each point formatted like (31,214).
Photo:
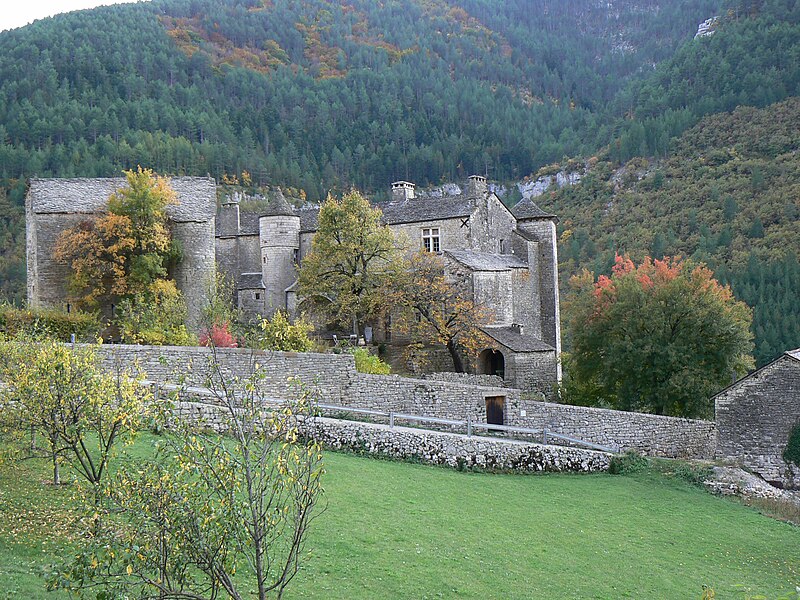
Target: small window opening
(258,296)
(69,308)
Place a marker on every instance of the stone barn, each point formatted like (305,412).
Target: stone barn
(755,416)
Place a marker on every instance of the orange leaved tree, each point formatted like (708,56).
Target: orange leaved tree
(660,337)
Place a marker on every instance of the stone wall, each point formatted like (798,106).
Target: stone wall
(653,435)
(339,384)
(432,447)
(755,417)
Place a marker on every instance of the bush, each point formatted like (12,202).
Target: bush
(157,318)
(50,322)
(284,336)
(219,337)
(369,363)
(630,462)
(791,454)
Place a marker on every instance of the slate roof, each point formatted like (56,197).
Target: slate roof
(510,338)
(278,206)
(485,261)
(251,281)
(197,196)
(527,209)
(415,210)
(427,209)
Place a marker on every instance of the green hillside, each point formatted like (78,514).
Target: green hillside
(729,195)
(319,95)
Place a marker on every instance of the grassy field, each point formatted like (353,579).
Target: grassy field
(396,530)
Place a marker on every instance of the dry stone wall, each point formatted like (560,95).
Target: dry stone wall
(339,384)
(430,447)
(653,435)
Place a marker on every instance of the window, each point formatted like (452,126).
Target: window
(430,239)
(258,296)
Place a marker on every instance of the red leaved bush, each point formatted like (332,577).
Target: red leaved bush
(219,337)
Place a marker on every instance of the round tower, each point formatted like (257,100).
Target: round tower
(279,237)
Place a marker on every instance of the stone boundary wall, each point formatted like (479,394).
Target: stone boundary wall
(653,435)
(431,447)
(339,383)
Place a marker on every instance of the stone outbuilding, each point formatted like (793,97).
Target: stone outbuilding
(755,416)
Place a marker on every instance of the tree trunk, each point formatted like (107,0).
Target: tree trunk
(458,364)
(56,474)
(355,326)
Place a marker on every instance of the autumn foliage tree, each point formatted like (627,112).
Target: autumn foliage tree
(123,252)
(437,309)
(353,260)
(660,337)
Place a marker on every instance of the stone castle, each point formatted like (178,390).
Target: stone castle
(508,256)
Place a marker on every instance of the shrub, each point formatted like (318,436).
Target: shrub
(629,462)
(157,318)
(369,363)
(219,337)
(284,336)
(50,322)
(791,454)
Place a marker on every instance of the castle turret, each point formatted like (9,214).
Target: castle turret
(279,237)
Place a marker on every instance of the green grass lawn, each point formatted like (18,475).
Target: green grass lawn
(397,530)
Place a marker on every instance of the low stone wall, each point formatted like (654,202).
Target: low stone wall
(338,382)
(432,447)
(653,435)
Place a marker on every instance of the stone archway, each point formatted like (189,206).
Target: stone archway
(492,362)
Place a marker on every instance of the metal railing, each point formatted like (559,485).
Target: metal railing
(469,425)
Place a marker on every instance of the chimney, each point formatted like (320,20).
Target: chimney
(402,190)
(517,328)
(476,185)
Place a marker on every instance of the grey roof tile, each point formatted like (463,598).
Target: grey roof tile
(527,209)
(251,281)
(197,196)
(485,261)
(510,338)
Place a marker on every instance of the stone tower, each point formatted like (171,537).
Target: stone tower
(279,238)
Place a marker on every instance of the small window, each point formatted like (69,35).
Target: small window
(258,296)
(265,260)
(430,239)
(69,308)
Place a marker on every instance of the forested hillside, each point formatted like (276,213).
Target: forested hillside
(325,94)
(729,196)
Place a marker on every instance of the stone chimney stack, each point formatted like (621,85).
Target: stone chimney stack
(518,328)
(476,185)
(402,190)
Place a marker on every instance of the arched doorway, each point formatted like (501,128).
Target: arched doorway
(492,362)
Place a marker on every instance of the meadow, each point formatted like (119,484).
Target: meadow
(401,530)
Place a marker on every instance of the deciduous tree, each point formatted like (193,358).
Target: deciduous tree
(438,309)
(123,252)
(352,262)
(212,514)
(63,393)
(662,336)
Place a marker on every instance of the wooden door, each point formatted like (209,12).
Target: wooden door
(494,409)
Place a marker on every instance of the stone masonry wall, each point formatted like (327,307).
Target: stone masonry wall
(339,383)
(653,435)
(430,447)
(755,417)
